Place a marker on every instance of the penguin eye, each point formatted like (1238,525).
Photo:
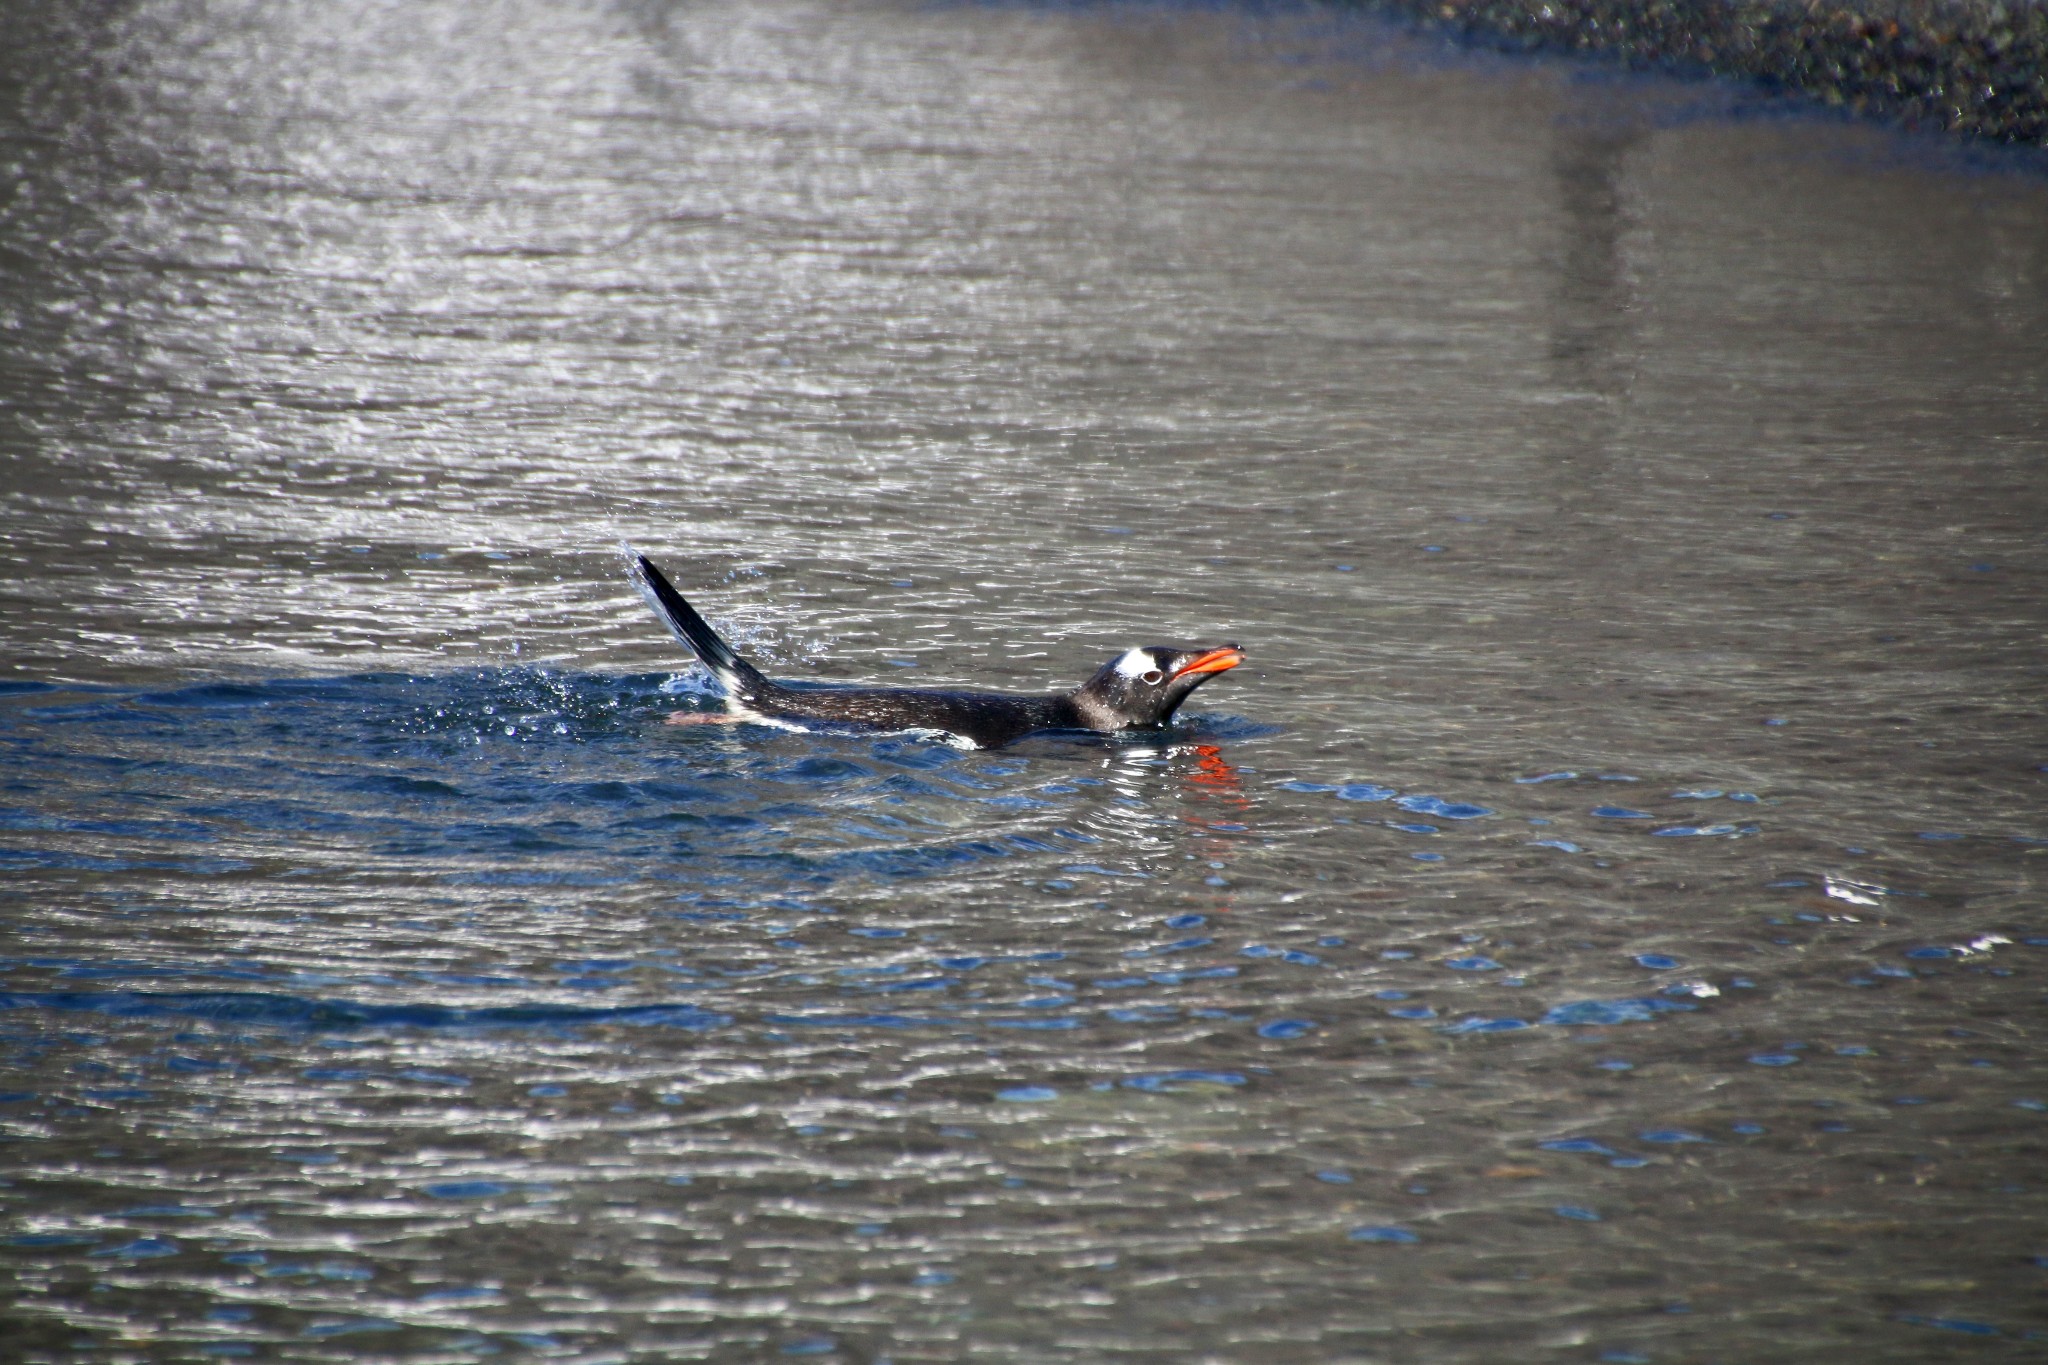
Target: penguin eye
(1152,677)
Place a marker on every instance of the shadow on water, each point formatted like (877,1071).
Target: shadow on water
(1601,921)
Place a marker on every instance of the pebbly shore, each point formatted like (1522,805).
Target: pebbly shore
(1977,67)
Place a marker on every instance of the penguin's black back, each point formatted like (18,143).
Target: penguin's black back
(988,719)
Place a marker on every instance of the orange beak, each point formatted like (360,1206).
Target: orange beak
(1215,661)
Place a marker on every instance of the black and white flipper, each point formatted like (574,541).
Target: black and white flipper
(741,680)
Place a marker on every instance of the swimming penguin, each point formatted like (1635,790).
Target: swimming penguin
(1139,689)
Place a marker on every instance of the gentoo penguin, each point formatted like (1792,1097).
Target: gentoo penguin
(1139,689)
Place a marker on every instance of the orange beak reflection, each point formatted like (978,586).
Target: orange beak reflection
(1215,661)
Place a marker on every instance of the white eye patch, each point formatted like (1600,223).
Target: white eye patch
(1136,662)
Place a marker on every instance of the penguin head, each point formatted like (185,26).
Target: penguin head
(1146,685)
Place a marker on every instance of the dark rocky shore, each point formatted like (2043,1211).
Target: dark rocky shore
(1968,66)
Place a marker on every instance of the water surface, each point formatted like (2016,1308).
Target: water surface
(1602,922)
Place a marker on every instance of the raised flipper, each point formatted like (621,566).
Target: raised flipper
(740,679)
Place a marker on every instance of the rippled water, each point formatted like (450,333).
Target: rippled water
(1602,922)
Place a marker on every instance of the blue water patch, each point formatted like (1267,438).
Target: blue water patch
(213,696)
(50,1239)
(1388,1236)
(350,1327)
(120,970)
(1481,1024)
(1621,813)
(1436,805)
(52,859)
(597,965)
(348,1272)
(141,1249)
(468,1189)
(810,1346)
(1028,1094)
(1293,955)
(1586,1145)
(1286,1028)
(1169,1081)
(1967,1326)
(1639,1010)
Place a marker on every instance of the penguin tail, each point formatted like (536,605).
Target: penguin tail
(740,679)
